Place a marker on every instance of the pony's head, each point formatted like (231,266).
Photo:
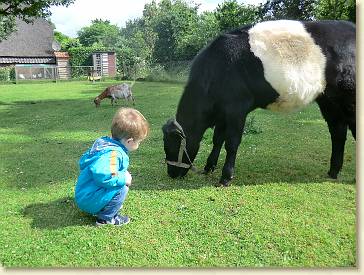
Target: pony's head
(175,148)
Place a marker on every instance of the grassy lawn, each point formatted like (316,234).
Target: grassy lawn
(281,210)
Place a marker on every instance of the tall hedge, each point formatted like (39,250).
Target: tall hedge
(82,56)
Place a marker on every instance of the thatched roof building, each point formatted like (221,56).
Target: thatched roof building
(30,44)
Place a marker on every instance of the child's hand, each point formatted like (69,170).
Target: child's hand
(128,178)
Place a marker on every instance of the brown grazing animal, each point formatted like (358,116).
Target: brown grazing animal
(115,92)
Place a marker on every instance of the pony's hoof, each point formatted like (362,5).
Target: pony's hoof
(208,169)
(332,175)
(223,183)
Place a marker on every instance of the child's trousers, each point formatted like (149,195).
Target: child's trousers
(112,208)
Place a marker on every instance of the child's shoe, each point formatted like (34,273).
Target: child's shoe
(117,220)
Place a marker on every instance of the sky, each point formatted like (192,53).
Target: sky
(69,20)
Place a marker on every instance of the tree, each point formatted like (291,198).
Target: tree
(7,26)
(231,15)
(26,10)
(336,9)
(287,9)
(173,21)
(65,41)
(134,37)
(100,32)
(207,28)
(148,24)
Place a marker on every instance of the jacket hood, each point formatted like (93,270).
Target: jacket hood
(101,145)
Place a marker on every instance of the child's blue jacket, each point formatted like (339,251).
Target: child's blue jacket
(102,174)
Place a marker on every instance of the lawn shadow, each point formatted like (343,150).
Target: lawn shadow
(249,174)
(5,103)
(56,214)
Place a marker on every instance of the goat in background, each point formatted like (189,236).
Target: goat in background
(115,92)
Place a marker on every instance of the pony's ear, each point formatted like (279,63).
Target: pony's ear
(171,127)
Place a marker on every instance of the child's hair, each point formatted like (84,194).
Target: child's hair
(129,123)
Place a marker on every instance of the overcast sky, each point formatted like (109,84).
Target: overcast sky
(71,19)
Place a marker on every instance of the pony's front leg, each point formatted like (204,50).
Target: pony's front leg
(234,132)
(218,140)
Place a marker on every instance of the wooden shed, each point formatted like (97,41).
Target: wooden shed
(104,63)
(64,70)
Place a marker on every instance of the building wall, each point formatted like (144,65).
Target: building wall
(104,63)
(64,71)
(112,64)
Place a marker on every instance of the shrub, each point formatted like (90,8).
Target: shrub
(251,126)
(170,72)
(7,73)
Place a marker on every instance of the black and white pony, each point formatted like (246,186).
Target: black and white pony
(278,65)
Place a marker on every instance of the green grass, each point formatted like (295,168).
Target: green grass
(281,210)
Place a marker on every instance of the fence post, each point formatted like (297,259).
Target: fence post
(55,73)
(16,75)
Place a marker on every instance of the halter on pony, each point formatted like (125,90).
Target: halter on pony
(182,148)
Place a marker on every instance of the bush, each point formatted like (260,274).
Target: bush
(157,73)
(251,127)
(169,72)
(7,73)
(4,74)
